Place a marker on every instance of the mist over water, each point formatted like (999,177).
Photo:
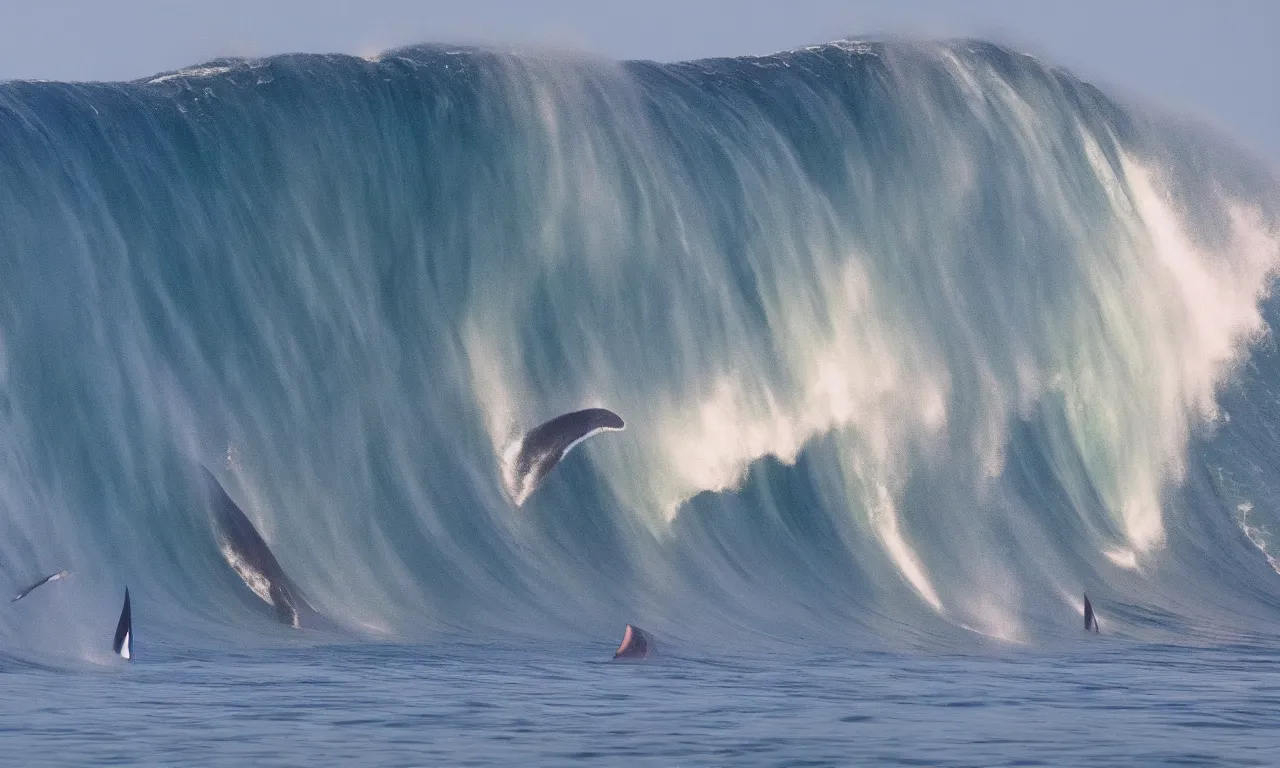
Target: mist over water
(915,343)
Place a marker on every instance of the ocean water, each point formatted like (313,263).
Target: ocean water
(916,342)
(457,703)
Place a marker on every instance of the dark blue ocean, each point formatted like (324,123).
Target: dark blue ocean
(493,703)
(917,343)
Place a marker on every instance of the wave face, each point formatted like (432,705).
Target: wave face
(915,342)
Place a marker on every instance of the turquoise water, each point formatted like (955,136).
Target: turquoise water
(916,343)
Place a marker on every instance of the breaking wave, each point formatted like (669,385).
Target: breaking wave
(915,343)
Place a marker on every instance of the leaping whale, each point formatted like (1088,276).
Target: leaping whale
(532,458)
(1090,618)
(38,584)
(636,644)
(247,554)
(123,642)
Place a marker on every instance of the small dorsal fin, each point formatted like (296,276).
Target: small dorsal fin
(636,644)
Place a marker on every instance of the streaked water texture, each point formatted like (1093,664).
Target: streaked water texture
(915,344)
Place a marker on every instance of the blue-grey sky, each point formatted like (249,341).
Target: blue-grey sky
(1218,59)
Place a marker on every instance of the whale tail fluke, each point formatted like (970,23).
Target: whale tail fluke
(636,644)
(1090,618)
(123,643)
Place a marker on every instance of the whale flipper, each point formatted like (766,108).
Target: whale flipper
(251,559)
(123,643)
(38,584)
(531,459)
(1090,618)
(636,644)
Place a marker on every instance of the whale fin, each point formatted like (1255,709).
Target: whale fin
(531,459)
(123,643)
(636,644)
(38,584)
(1090,618)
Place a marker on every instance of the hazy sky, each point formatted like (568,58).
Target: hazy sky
(1218,59)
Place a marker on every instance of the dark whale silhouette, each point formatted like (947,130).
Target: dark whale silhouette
(542,447)
(1090,618)
(123,642)
(38,584)
(636,644)
(249,556)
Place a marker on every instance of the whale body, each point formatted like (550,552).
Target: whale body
(38,584)
(1090,618)
(123,642)
(251,559)
(533,457)
(636,644)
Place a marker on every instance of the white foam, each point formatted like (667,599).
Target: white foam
(253,578)
(492,374)
(190,72)
(1256,534)
(1159,323)
(885,519)
(1196,314)
(1123,557)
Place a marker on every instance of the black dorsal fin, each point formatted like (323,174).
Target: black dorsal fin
(123,643)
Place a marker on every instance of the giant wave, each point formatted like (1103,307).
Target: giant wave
(916,342)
